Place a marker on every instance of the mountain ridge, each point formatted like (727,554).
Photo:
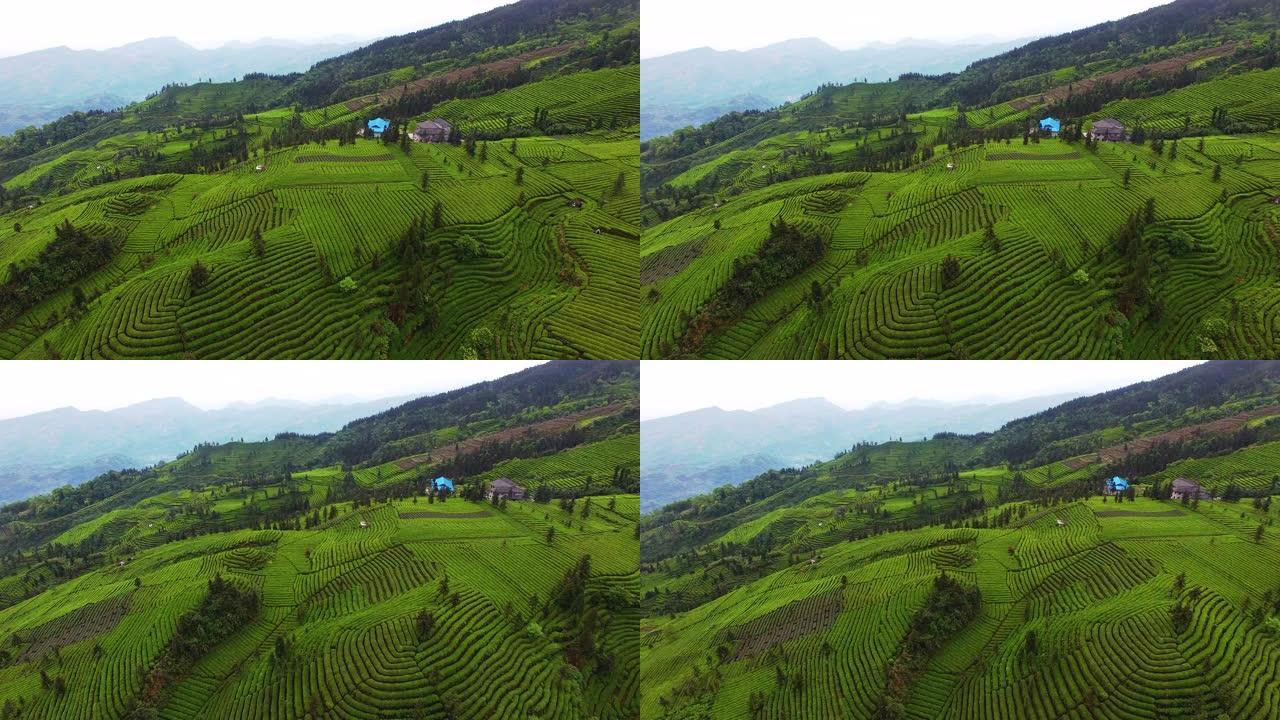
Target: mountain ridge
(688,86)
(694,452)
(42,85)
(66,445)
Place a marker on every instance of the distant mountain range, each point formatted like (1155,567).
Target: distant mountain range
(41,86)
(695,86)
(694,452)
(67,446)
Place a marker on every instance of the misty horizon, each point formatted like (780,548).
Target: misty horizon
(673,26)
(89,385)
(101,26)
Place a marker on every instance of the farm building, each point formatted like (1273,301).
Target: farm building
(1115,486)
(505,487)
(1051,125)
(442,483)
(432,131)
(377,126)
(1183,487)
(1108,129)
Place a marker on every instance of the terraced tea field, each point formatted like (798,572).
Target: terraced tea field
(495,277)
(1077,620)
(951,224)
(261,218)
(1043,289)
(337,633)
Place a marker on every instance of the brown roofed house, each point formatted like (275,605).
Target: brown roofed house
(1108,129)
(432,131)
(506,487)
(1183,487)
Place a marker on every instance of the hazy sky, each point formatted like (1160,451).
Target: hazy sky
(670,387)
(95,24)
(669,26)
(36,385)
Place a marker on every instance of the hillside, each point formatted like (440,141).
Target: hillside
(250,220)
(930,580)
(258,580)
(929,217)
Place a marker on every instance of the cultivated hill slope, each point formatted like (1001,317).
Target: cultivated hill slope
(248,220)
(794,594)
(920,219)
(255,580)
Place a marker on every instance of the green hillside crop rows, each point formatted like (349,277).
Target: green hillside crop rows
(1095,591)
(953,232)
(311,202)
(525,225)
(799,592)
(343,598)
(374,596)
(884,292)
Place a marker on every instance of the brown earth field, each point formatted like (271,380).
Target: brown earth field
(788,622)
(1116,453)
(538,429)
(497,67)
(1161,67)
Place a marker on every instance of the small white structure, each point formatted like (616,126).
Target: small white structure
(951,166)
(121,563)
(364,523)
(259,168)
(1061,523)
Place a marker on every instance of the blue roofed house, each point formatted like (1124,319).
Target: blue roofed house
(443,483)
(377,126)
(1116,485)
(1051,126)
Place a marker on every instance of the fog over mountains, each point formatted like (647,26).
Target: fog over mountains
(41,86)
(46,450)
(694,452)
(699,85)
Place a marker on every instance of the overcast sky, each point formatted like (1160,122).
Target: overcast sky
(98,24)
(669,26)
(669,387)
(37,385)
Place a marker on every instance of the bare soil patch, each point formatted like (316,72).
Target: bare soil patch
(1115,453)
(497,67)
(532,430)
(669,261)
(1162,67)
(79,624)
(797,619)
